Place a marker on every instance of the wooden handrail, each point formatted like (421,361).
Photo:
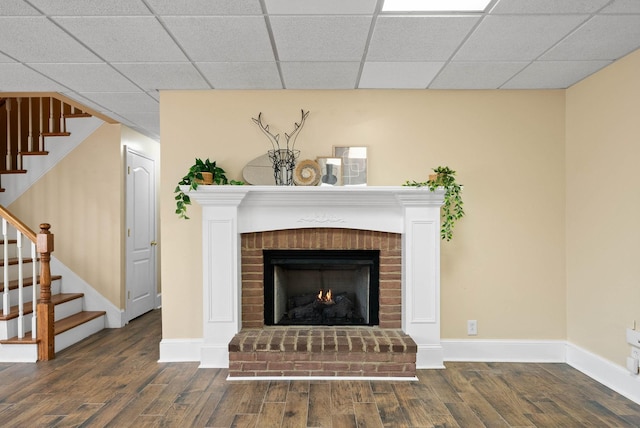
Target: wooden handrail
(15,222)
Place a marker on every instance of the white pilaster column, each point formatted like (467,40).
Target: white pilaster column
(421,275)
(221,275)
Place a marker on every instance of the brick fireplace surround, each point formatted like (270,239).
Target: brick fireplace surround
(240,221)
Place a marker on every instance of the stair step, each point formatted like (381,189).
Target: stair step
(56,134)
(26,282)
(61,326)
(14,171)
(11,241)
(15,261)
(33,153)
(73,115)
(56,299)
(75,320)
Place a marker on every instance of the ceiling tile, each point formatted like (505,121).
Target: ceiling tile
(123,102)
(163,75)
(324,7)
(327,38)
(87,77)
(149,121)
(516,38)
(217,39)
(476,75)
(154,94)
(85,101)
(418,38)
(623,6)
(91,7)
(241,75)
(320,75)
(36,39)
(16,77)
(124,39)
(398,75)
(604,37)
(547,6)
(205,7)
(553,74)
(4,58)
(16,8)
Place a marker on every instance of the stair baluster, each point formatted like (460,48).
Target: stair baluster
(41,129)
(63,124)
(5,279)
(20,285)
(19,114)
(34,290)
(30,137)
(51,119)
(8,158)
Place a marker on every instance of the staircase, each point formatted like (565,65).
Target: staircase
(18,320)
(26,123)
(34,331)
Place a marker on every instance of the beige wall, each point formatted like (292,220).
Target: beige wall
(603,206)
(81,198)
(505,266)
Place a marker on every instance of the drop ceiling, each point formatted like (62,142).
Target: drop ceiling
(115,56)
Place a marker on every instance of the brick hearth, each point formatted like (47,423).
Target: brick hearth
(382,351)
(322,351)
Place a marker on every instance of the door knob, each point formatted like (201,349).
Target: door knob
(154,243)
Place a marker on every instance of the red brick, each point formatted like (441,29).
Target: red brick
(334,366)
(308,365)
(281,365)
(256,365)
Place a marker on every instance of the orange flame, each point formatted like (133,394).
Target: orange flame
(325,297)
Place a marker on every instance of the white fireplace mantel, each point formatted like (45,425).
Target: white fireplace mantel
(228,211)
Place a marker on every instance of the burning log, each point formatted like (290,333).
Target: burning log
(343,308)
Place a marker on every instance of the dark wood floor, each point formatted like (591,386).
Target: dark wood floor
(113,379)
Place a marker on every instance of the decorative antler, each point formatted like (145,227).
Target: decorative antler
(265,128)
(296,130)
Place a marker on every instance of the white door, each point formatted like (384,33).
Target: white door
(141,235)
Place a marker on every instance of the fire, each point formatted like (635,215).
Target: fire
(325,297)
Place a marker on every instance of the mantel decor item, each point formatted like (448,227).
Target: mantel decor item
(354,165)
(452,209)
(283,159)
(201,172)
(306,173)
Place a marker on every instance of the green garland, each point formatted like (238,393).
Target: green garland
(453,207)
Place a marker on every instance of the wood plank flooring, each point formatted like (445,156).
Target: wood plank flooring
(113,379)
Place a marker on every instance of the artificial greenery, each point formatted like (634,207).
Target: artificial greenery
(193,177)
(453,207)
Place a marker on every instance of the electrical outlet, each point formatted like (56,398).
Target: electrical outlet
(472,327)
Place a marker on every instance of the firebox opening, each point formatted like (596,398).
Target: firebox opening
(321,287)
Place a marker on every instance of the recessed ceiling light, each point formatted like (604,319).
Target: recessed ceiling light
(435,5)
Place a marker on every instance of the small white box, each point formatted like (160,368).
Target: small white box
(633,337)
(632,365)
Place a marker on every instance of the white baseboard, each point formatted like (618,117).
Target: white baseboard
(604,371)
(546,351)
(527,351)
(180,350)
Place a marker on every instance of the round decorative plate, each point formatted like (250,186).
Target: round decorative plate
(306,173)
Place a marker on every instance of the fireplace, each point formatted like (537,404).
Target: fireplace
(239,222)
(321,287)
